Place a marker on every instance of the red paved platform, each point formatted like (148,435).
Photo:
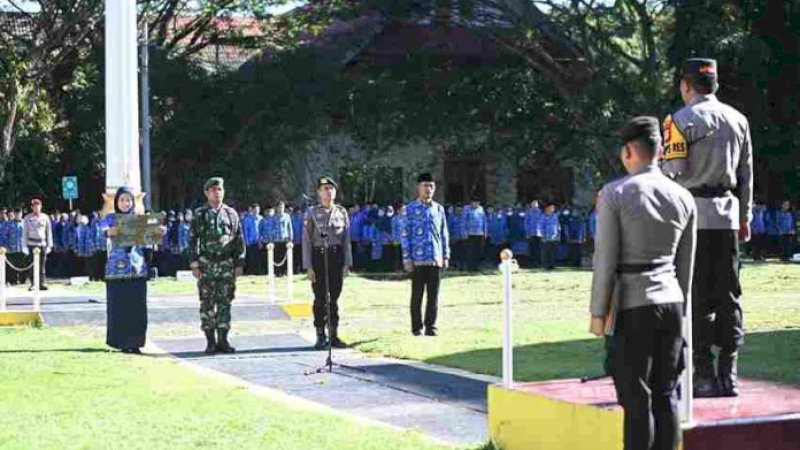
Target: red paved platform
(766,416)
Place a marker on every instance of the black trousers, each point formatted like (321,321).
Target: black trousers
(648,361)
(336,276)
(42,264)
(717,313)
(535,250)
(474,252)
(787,246)
(758,246)
(424,278)
(253,261)
(298,257)
(575,252)
(12,276)
(457,253)
(280,254)
(549,249)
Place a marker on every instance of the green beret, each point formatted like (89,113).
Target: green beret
(642,127)
(213,181)
(326,180)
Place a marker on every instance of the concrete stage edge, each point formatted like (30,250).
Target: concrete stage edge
(568,414)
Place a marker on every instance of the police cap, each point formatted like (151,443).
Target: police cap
(701,71)
(213,181)
(327,180)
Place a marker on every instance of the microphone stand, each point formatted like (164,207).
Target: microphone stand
(326,264)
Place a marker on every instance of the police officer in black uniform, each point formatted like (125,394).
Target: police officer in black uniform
(327,221)
(708,151)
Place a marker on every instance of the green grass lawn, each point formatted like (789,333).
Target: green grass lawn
(550,320)
(60,392)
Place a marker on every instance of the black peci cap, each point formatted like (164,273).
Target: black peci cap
(425,178)
(641,127)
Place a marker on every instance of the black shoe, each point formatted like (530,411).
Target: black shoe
(431,332)
(335,341)
(211,342)
(705,387)
(321,341)
(728,380)
(43,287)
(416,332)
(223,346)
(135,351)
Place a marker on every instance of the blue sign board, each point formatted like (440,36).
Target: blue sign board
(69,187)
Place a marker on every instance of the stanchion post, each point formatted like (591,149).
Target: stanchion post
(508,341)
(289,272)
(37,261)
(2,278)
(271,271)
(687,384)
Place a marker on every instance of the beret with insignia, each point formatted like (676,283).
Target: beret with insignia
(213,181)
(322,181)
(641,127)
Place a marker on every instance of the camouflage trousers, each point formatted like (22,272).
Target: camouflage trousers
(216,296)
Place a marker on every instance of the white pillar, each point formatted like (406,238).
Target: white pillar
(2,279)
(686,405)
(508,340)
(272,294)
(37,292)
(122,98)
(289,272)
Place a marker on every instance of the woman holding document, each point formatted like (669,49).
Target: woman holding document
(126,282)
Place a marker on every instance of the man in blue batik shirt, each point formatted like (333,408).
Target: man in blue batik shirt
(282,234)
(250,228)
(551,236)
(297,238)
(498,233)
(476,226)
(533,233)
(426,251)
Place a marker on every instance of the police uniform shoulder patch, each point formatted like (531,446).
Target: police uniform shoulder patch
(675,145)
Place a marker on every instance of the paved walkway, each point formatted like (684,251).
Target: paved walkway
(441,403)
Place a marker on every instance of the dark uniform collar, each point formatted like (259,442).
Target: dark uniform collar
(700,98)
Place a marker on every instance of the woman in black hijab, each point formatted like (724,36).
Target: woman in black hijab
(126,283)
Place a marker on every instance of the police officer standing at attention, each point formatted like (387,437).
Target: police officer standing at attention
(642,279)
(708,151)
(217,257)
(330,222)
(38,233)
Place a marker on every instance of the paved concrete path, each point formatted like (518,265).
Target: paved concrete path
(64,308)
(445,404)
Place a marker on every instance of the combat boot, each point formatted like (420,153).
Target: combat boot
(728,380)
(222,344)
(335,341)
(705,383)
(211,343)
(321,342)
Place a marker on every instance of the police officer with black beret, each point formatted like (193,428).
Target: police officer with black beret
(708,151)
(646,227)
(327,221)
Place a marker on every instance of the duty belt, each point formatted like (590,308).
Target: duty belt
(332,248)
(710,191)
(640,268)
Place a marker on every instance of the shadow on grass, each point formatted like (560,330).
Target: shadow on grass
(59,350)
(770,355)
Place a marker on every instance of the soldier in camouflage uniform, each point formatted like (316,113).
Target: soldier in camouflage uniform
(217,256)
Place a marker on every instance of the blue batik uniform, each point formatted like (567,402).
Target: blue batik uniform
(83,241)
(184,237)
(3,235)
(786,223)
(475,221)
(576,230)
(71,239)
(61,238)
(455,225)
(124,263)
(282,231)
(772,221)
(550,228)
(592,225)
(533,219)
(297,228)
(250,229)
(398,225)
(379,237)
(426,237)
(14,236)
(758,225)
(266,229)
(356,223)
(498,229)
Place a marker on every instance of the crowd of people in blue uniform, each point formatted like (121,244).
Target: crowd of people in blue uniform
(539,237)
